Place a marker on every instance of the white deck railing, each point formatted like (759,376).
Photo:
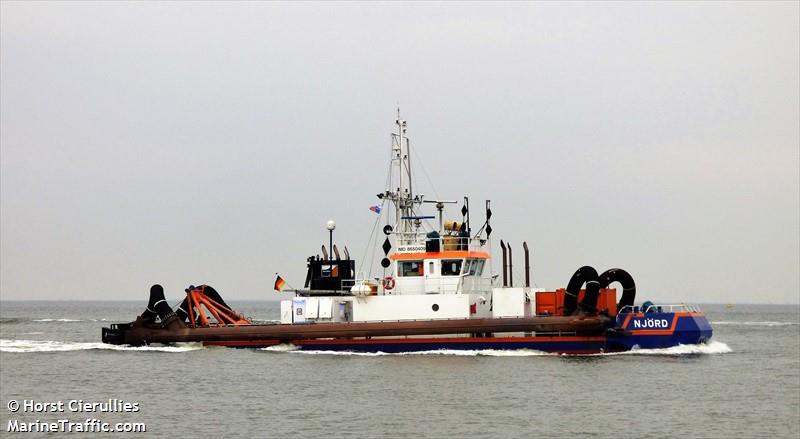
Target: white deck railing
(446,242)
(681,307)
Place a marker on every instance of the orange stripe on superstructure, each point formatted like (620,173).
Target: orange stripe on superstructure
(440,255)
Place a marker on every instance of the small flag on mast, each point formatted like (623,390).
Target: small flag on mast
(376,209)
(279,283)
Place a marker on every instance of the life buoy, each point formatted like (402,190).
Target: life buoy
(388,283)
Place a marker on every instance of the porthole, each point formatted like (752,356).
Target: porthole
(435,307)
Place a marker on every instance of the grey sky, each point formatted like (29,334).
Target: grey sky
(186,143)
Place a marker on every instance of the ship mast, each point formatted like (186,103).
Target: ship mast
(402,195)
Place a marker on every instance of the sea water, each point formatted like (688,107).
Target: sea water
(744,383)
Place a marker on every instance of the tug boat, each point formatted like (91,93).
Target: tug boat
(436,290)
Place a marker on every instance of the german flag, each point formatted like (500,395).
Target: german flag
(279,283)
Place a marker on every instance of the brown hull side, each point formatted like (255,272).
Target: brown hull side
(589,325)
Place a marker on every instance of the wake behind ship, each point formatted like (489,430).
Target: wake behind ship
(436,291)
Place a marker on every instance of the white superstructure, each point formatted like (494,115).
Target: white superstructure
(439,271)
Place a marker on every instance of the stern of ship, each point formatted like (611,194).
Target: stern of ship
(658,326)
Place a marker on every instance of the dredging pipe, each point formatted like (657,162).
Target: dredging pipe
(138,334)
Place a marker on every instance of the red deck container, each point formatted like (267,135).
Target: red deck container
(552,302)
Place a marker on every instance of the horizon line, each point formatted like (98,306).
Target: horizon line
(279,299)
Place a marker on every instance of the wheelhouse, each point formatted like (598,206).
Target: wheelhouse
(448,272)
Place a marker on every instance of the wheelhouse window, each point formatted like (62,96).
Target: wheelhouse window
(410,268)
(474,267)
(451,267)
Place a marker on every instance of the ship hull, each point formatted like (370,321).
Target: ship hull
(564,335)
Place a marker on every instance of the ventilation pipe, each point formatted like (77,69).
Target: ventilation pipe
(510,268)
(503,246)
(527,265)
(324,253)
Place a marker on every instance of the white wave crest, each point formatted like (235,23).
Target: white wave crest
(453,352)
(769,324)
(69,320)
(58,320)
(712,347)
(27,346)
(283,347)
